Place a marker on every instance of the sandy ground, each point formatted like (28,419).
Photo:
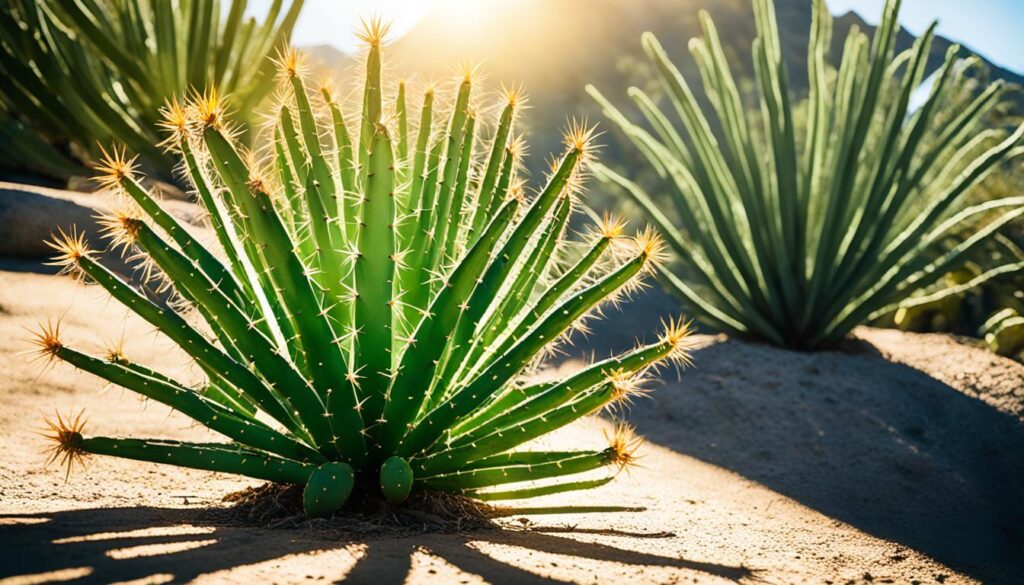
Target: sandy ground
(898,460)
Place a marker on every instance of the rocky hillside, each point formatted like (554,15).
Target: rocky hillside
(555,48)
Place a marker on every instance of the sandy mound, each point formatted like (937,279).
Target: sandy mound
(898,460)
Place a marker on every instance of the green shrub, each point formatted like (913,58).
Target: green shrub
(382,296)
(89,72)
(798,233)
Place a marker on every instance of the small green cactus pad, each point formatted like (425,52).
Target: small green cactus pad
(396,479)
(327,489)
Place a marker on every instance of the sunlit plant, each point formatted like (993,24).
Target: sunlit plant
(797,233)
(82,73)
(380,294)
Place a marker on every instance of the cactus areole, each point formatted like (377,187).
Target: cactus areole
(381,291)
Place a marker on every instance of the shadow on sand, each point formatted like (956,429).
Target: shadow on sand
(85,544)
(878,445)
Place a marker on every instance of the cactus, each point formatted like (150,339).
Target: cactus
(377,301)
(80,74)
(794,232)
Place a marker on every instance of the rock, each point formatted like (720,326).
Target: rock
(30,214)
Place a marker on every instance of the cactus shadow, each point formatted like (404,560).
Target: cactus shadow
(878,445)
(103,545)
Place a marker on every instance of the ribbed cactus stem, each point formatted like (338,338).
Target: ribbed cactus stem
(504,438)
(525,403)
(374,275)
(209,457)
(194,406)
(403,133)
(211,359)
(536,492)
(432,426)
(562,465)
(498,154)
(419,361)
(420,156)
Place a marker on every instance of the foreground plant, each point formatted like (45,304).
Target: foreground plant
(381,298)
(78,74)
(798,234)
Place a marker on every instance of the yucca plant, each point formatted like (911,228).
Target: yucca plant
(88,72)
(798,233)
(381,295)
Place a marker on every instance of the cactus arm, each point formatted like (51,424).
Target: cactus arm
(449,174)
(416,279)
(206,262)
(295,211)
(330,274)
(537,262)
(505,177)
(346,168)
(518,458)
(455,223)
(463,342)
(520,404)
(435,423)
(512,249)
(504,438)
(494,165)
(329,371)
(374,274)
(581,462)
(235,250)
(372,103)
(229,166)
(297,155)
(536,492)
(326,187)
(403,134)
(228,397)
(320,343)
(214,362)
(571,278)
(270,363)
(417,364)
(193,406)
(420,156)
(205,456)
(322,217)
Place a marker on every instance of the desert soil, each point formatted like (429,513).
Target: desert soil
(898,459)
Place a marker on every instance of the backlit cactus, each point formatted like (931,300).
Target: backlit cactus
(380,292)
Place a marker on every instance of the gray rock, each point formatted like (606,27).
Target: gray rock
(30,214)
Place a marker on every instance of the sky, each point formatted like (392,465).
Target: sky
(990,27)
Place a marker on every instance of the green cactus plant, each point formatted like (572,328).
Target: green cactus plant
(79,74)
(796,233)
(378,301)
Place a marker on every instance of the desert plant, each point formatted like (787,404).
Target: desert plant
(381,296)
(79,74)
(798,234)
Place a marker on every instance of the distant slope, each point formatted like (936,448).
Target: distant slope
(555,48)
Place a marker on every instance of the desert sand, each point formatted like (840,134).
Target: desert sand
(899,459)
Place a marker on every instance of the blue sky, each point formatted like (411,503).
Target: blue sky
(991,27)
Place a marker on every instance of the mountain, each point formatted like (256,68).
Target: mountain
(556,48)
